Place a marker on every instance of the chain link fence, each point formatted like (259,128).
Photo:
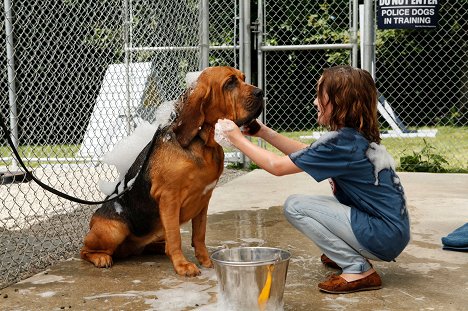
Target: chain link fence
(424,76)
(78,76)
(81,75)
(224,33)
(421,74)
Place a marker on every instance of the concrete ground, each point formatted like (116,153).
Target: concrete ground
(247,212)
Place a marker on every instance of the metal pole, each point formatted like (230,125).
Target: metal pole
(354,6)
(10,48)
(246,44)
(241,34)
(246,50)
(260,62)
(127,47)
(204,34)
(368,37)
(234,41)
(259,45)
(335,46)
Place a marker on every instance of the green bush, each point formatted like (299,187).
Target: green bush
(425,160)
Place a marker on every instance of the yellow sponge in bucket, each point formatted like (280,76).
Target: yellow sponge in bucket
(265,293)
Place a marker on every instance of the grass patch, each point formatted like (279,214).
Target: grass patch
(51,154)
(450,143)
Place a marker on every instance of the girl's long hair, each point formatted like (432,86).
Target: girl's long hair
(353,96)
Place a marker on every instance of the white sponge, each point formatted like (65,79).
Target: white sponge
(219,137)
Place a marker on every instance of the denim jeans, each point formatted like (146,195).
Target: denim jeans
(327,223)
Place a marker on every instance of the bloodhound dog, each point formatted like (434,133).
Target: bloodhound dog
(174,176)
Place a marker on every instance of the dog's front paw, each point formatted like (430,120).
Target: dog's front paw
(100,260)
(203,256)
(206,262)
(187,269)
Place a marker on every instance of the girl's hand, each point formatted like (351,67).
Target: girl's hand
(230,130)
(255,128)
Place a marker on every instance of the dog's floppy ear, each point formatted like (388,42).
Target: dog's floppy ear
(191,115)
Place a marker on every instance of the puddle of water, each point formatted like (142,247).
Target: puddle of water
(184,296)
(45,278)
(47,294)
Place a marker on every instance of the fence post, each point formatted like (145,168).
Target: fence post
(10,48)
(245,51)
(127,21)
(246,44)
(260,62)
(368,62)
(354,9)
(259,41)
(204,34)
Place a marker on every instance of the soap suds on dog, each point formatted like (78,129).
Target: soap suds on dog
(124,154)
(118,207)
(127,149)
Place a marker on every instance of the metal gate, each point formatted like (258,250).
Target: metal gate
(282,47)
(293,49)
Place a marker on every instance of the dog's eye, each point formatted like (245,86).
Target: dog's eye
(231,83)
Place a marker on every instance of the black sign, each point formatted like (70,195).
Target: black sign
(407,14)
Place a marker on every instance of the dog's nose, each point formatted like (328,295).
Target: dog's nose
(258,93)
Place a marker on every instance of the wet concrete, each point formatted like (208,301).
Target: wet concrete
(248,212)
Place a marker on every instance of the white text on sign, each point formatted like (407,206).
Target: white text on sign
(408,2)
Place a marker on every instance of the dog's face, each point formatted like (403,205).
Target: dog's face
(219,93)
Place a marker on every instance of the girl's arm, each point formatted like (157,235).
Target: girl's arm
(285,144)
(267,160)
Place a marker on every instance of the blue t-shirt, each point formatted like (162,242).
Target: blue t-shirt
(362,176)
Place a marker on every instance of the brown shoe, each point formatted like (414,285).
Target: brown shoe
(337,285)
(328,262)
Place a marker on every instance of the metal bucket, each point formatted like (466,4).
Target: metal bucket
(251,278)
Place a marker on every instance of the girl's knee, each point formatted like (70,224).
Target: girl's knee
(291,206)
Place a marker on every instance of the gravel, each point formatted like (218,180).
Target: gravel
(230,174)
